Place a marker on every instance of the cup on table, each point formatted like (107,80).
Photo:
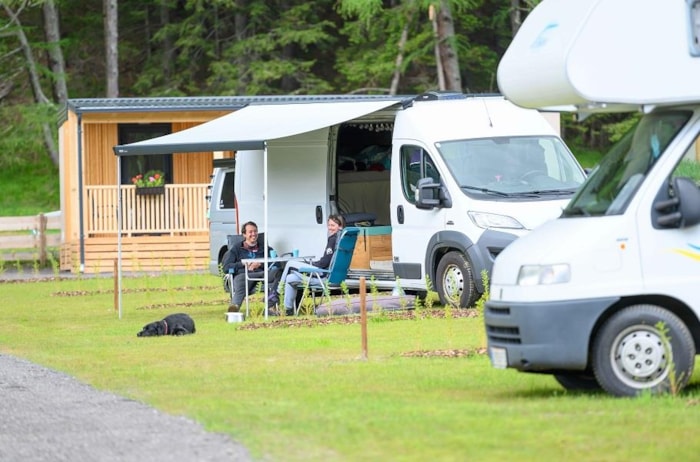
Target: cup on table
(295,253)
(273,253)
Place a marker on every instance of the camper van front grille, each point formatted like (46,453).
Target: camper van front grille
(500,334)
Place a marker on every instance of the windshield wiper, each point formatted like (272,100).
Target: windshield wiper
(485,190)
(554,191)
(525,194)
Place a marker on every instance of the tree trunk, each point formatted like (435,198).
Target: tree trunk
(39,96)
(241,61)
(446,50)
(55,53)
(111,21)
(168,43)
(399,60)
(515,16)
(438,61)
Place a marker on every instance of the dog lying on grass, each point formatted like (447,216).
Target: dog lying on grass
(174,324)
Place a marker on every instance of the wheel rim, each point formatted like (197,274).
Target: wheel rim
(639,357)
(453,283)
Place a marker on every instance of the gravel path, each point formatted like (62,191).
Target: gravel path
(49,416)
(46,415)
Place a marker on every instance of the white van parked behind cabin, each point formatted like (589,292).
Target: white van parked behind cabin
(222,210)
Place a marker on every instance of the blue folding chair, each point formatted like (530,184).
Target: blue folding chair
(322,281)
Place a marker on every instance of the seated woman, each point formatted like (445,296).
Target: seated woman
(291,278)
(249,248)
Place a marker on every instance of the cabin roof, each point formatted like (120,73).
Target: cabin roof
(197,103)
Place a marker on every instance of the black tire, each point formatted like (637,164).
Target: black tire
(455,281)
(631,355)
(577,381)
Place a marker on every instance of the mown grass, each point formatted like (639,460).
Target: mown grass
(304,393)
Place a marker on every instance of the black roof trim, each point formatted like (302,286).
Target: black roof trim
(198,103)
(203,103)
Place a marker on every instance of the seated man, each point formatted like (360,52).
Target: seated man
(249,248)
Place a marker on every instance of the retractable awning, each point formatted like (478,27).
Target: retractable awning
(246,129)
(249,128)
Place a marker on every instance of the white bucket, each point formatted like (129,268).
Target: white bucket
(235,317)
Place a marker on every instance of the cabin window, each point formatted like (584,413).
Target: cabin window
(133,165)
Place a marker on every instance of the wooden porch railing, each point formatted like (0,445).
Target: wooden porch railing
(180,210)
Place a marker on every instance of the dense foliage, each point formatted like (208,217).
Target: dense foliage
(196,47)
(241,47)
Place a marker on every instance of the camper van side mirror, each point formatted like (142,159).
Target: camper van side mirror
(683,210)
(427,193)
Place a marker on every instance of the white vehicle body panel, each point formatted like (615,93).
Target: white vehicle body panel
(602,55)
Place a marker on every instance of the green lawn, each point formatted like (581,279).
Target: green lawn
(29,189)
(305,393)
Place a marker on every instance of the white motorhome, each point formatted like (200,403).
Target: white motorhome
(439,183)
(607,295)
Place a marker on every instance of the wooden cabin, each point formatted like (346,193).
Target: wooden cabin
(167,230)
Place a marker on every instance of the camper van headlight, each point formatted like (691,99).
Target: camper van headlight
(532,275)
(491,220)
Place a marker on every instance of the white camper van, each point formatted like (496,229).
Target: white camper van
(222,210)
(226,191)
(439,183)
(607,295)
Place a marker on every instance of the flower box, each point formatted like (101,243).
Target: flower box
(150,190)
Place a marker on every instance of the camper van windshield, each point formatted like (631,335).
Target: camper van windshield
(523,166)
(612,184)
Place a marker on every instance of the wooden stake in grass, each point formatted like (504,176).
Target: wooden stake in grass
(363,316)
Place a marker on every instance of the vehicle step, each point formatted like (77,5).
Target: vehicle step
(367,273)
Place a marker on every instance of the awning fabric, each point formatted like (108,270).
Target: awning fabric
(249,128)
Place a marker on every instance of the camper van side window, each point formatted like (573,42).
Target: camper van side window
(415,164)
(689,166)
(226,201)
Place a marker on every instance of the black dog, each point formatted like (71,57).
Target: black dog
(174,324)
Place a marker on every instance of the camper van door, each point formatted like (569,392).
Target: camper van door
(297,192)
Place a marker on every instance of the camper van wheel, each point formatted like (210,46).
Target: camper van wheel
(643,348)
(454,281)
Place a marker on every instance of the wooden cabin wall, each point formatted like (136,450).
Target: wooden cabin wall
(99,161)
(68,170)
(191,167)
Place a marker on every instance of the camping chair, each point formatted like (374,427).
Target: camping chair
(233,240)
(322,281)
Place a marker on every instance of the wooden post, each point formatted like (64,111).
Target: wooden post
(363,315)
(116,285)
(42,239)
